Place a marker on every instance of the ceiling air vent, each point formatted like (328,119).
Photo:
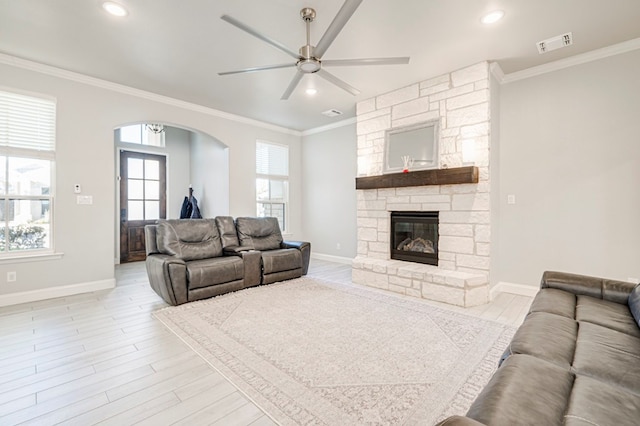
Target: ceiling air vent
(554,43)
(332,113)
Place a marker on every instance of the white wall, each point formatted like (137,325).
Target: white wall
(210,175)
(178,168)
(86,118)
(570,153)
(494,171)
(329,194)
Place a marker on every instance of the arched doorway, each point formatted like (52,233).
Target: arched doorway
(193,160)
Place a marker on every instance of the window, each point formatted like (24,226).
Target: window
(272,181)
(27,159)
(142,134)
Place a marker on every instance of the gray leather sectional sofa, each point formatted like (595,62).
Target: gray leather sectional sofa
(574,361)
(190,260)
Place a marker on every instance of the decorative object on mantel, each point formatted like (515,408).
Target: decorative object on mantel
(406,163)
(458,175)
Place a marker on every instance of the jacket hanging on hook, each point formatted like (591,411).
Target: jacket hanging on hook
(190,208)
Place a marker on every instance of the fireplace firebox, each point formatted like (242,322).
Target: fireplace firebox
(414,237)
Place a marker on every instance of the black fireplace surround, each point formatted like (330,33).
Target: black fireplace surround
(414,237)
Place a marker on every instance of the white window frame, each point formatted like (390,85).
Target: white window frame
(147,137)
(284,178)
(34,142)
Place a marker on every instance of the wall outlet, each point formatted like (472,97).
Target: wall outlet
(12,276)
(511,199)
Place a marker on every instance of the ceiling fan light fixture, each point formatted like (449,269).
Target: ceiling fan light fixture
(114,9)
(492,17)
(308,66)
(311,91)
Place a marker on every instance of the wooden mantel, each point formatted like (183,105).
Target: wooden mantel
(420,178)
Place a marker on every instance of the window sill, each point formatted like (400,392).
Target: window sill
(30,258)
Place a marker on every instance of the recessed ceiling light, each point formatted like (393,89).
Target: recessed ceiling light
(114,8)
(311,91)
(492,17)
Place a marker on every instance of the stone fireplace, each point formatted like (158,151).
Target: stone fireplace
(460,275)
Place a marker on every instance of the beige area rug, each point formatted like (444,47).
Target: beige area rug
(313,352)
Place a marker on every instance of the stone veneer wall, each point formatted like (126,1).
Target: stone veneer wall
(460,101)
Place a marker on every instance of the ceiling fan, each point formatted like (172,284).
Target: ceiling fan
(308,60)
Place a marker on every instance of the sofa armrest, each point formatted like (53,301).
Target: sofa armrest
(305,249)
(459,421)
(600,288)
(150,245)
(252,267)
(168,277)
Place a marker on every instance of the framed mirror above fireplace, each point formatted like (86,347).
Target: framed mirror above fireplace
(419,142)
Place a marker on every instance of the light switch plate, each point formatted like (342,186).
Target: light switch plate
(84,199)
(511,199)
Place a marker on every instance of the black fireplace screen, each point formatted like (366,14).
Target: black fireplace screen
(414,237)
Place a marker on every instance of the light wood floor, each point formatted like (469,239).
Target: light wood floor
(101,358)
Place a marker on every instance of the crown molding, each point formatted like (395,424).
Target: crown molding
(583,58)
(496,70)
(127,90)
(331,126)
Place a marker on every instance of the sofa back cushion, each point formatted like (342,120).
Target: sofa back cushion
(260,233)
(634,304)
(189,239)
(227,229)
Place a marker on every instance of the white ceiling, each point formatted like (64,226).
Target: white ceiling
(176,48)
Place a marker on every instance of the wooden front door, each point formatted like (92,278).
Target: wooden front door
(143,200)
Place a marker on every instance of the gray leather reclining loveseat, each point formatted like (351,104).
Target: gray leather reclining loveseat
(189,260)
(575,360)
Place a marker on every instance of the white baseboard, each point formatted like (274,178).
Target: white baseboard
(519,289)
(53,292)
(331,258)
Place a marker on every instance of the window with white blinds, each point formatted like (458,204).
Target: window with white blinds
(27,155)
(27,122)
(272,159)
(272,181)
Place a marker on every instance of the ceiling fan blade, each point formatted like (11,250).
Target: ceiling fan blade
(366,61)
(292,86)
(254,69)
(335,80)
(259,35)
(341,19)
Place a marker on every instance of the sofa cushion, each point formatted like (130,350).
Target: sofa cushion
(524,390)
(612,315)
(189,239)
(608,355)
(593,402)
(259,233)
(281,260)
(634,304)
(546,336)
(220,270)
(227,229)
(555,301)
